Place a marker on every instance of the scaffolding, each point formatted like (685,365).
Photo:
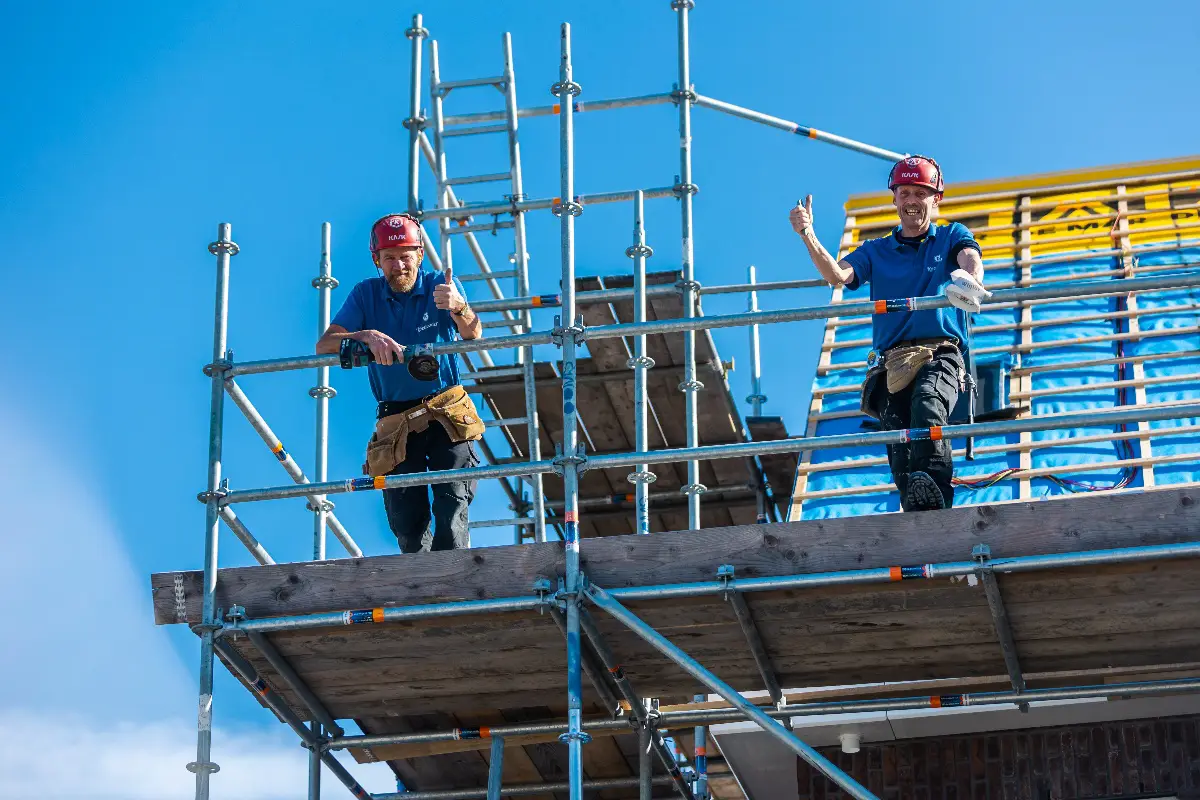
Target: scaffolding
(587,647)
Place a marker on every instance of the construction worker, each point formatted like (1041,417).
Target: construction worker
(426,420)
(915,369)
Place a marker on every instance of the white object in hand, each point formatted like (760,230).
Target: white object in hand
(964,292)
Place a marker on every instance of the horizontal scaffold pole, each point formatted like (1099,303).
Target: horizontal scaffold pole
(860,308)
(524,788)
(542,204)
(1084,419)
(950,569)
(684,718)
(548,111)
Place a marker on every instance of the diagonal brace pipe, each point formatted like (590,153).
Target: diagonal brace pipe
(285,670)
(1008,646)
(660,643)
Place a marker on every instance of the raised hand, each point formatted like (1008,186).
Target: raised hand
(801,216)
(446,295)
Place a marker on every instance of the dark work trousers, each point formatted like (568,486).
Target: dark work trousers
(408,509)
(924,403)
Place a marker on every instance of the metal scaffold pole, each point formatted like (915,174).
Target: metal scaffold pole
(700,750)
(439,151)
(223,248)
(684,189)
(641,477)
(566,90)
(521,263)
(415,119)
(756,397)
(324,283)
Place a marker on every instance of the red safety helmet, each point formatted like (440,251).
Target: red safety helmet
(916,171)
(395,230)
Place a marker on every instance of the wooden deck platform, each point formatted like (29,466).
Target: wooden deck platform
(489,670)
(606,416)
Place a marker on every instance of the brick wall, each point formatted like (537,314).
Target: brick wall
(1145,758)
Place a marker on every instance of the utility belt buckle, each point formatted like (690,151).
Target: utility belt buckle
(874,359)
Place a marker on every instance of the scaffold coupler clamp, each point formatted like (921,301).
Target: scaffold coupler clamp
(325,506)
(203,766)
(676,5)
(219,494)
(680,189)
(678,94)
(572,88)
(640,361)
(541,587)
(572,207)
(216,248)
(641,477)
(562,596)
(561,461)
(693,488)
(328,392)
(725,577)
(981,554)
(220,366)
(234,617)
(578,331)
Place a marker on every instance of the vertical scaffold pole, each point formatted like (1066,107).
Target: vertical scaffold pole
(496,769)
(567,209)
(700,744)
(684,190)
(414,122)
(521,262)
(314,766)
(642,476)
(223,248)
(439,154)
(756,398)
(324,283)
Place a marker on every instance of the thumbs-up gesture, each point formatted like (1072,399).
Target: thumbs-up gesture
(801,216)
(446,295)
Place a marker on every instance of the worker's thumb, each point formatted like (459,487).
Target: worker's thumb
(448,274)
(808,203)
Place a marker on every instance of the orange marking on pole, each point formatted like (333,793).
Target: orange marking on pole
(881,306)
(376,615)
(557,108)
(379,482)
(485,733)
(812,133)
(895,574)
(935,702)
(277,448)
(537,302)
(935,433)
(463,222)
(700,751)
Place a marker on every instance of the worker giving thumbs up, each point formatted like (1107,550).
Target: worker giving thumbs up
(446,295)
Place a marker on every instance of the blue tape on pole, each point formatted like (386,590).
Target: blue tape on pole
(949,701)
(282,454)
(358,484)
(571,532)
(260,686)
(919,571)
(702,764)
(362,616)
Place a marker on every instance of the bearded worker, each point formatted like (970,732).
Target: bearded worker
(915,370)
(426,420)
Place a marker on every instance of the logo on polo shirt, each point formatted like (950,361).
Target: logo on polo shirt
(425,316)
(937,258)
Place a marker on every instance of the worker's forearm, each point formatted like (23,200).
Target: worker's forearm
(825,263)
(970,261)
(469,325)
(332,340)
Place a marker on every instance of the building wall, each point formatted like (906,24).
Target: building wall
(1146,758)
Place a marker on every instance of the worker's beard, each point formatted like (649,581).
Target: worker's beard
(401,284)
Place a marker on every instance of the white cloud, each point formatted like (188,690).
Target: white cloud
(94,702)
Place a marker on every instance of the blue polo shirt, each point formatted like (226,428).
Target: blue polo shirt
(896,270)
(410,318)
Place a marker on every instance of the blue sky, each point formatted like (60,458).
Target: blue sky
(130,130)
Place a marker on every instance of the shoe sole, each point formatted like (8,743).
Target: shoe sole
(924,494)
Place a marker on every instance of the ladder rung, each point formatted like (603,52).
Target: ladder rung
(505,421)
(479,276)
(493,177)
(446,86)
(482,227)
(512,324)
(477,129)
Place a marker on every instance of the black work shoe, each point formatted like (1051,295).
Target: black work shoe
(923,494)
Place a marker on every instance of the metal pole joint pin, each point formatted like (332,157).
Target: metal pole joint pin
(571,207)
(216,248)
(640,361)
(633,251)
(571,87)
(203,766)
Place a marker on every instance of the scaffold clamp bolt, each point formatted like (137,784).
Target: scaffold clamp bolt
(409,122)
(203,766)
(216,494)
(220,365)
(578,331)
(541,587)
(325,506)
(724,576)
(680,189)
(235,614)
(981,553)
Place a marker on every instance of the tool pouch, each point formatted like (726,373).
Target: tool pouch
(455,410)
(868,403)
